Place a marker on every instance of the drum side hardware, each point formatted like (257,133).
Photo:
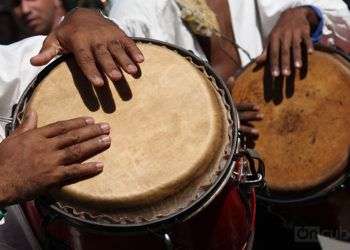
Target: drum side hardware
(246,173)
(167,242)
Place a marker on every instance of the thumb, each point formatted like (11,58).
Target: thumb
(51,48)
(29,122)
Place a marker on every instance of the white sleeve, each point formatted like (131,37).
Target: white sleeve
(335,13)
(16,73)
(155,19)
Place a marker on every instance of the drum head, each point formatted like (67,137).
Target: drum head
(304,136)
(171,132)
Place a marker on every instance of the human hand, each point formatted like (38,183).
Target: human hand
(99,46)
(36,160)
(247,113)
(284,45)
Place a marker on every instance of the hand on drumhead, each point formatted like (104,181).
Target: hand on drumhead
(286,40)
(36,160)
(99,46)
(247,113)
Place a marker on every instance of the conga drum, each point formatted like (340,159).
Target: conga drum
(172,178)
(304,138)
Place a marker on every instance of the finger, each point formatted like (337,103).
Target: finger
(247,107)
(122,58)
(250,116)
(274,56)
(85,59)
(285,54)
(82,151)
(29,122)
(81,134)
(51,48)
(133,50)
(298,63)
(63,127)
(77,172)
(248,130)
(308,43)
(105,60)
(262,58)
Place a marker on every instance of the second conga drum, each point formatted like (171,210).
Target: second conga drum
(304,138)
(305,133)
(169,177)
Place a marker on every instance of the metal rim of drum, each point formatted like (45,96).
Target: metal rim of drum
(321,191)
(161,223)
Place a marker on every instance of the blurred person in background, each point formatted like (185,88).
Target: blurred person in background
(39,17)
(8,29)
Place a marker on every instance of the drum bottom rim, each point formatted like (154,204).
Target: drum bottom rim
(308,196)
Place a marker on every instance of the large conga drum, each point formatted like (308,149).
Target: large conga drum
(304,138)
(173,177)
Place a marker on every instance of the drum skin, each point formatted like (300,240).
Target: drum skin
(304,136)
(206,209)
(226,224)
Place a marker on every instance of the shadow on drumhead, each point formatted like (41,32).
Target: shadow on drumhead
(85,90)
(95,98)
(123,89)
(274,86)
(105,97)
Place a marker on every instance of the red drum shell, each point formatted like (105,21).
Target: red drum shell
(226,224)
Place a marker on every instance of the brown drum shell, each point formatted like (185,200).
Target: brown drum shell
(226,224)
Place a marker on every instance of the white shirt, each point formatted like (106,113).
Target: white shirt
(16,73)
(252,21)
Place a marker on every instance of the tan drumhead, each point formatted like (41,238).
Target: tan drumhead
(169,128)
(304,136)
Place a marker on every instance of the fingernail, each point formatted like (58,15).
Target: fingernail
(231,79)
(286,72)
(105,127)
(298,64)
(275,73)
(139,57)
(106,140)
(260,116)
(115,74)
(255,131)
(310,51)
(132,68)
(99,166)
(256,107)
(89,120)
(98,81)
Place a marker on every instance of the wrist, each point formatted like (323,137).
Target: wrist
(312,17)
